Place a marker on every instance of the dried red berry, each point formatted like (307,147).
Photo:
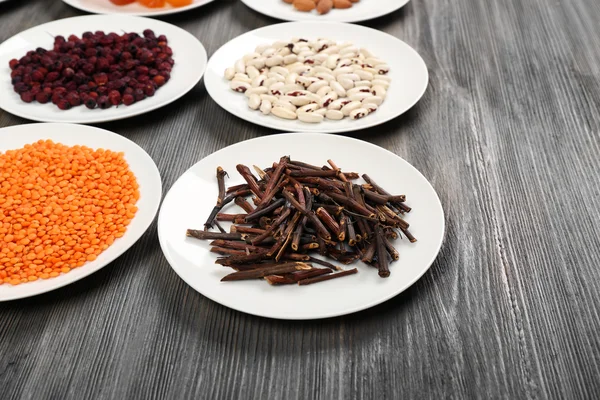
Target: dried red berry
(27,97)
(42,97)
(128,99)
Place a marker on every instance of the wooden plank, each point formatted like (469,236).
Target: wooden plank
(508,134)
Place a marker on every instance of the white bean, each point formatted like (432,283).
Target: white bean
(252,71)
(335,115)
(258,63)
(359,113)
(352,77)
(324,91)
(364,75)
(366,53)
(338,88)
(300,69)
(254,102)
(306,53)
(269,81)
(373,99)
(229,73)
(310,117)
(250,56)
(290,59)
(338,104)
(268,97)
(325,76)
(280,70)
(258,91)
(379,90)
(346,83)
(269,52)
(360,96)
(239,86)
(240,66)
(242,77)
(283,113)
(266,106)
(321,111)
(348,108)
(332,61)
(317,85)
(363,83)
(328,99)
(285,104)
(372,107)
(342,71)
(331,50)
(370,70)
(290,87)
(309,108)
(291,78)
(349,49)
(382,69)
(275,75)
(344,45)
(306,81)
(274,61)
(301,101)
(374,61)
(258,81)
(275,89)
(343,63)
(284,51)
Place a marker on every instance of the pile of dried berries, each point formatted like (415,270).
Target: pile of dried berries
(98,70)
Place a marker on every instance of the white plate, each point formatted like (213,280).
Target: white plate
(188,53)
(193,196)
(361,11)
(106,7)
(407,70)
(140,164)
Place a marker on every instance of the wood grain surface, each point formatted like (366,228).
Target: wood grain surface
(508,134)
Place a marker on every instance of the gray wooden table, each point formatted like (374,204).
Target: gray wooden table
(508,134)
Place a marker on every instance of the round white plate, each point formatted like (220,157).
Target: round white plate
(106,7)
(140,164)
(188,53)
(361,11)
(192,197)
(407,70)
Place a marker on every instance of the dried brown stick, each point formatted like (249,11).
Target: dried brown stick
(245,172)
(323,278)
(382,254)
(262,272)
(203,235)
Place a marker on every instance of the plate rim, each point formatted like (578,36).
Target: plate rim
(344,20)
(97,120)
(95,269)
(158,13)
(394,293)
(212,87)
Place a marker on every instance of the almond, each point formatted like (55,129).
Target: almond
(354,1)
(324,6)
(304,5)
(342,4)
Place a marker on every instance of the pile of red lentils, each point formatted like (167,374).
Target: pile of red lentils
(60,207)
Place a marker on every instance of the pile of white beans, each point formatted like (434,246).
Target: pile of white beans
(311,80)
